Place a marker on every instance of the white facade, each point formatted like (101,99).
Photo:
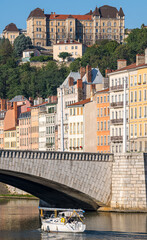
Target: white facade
(76,128)
(116,80)
(47,124)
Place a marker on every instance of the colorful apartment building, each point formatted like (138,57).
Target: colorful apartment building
(105,22)
(117,80)
(76,87)
(138,105)
(24,129)
(103,121)
(76,125)
(47,124)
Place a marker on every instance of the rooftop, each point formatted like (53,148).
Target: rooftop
(18,98)
(11,28)
(83,102)
(131,66)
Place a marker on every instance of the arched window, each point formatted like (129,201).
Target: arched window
(109,24)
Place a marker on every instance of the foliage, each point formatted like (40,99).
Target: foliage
(21,43)
(75,65)
(64,55)
(41,58)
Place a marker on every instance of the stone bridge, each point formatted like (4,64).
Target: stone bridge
(62,179)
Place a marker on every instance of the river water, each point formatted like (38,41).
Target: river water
(19,220)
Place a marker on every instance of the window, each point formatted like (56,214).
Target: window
(101,140)
(51,23)
(140,112)
(131,80)
(58,23)
(104,140)
(104,111)
(144,79)
(98,112)
(135,116)
(145,95)
(98,126)
(108,125)
(145,129)
(131,113)
(114,24)
(135,80)
(145,111)
(98,140)
(140,130)
(104,99)
(135,96)
(101,99)
(101,126)
(140,96)
(96,30)
(103,24)
(135,132)
(101,112)
(70,23)
(108,98)
(104,125)
(97,99)
(70,29)
(109,30)
(131,130)
(139,80)
(131,96)
(96,23)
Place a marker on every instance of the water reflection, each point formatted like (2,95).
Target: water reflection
(19,220)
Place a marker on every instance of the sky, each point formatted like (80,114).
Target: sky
(17,11)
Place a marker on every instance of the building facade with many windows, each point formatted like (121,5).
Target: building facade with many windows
(105,22)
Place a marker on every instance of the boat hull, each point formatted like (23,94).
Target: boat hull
(61,227)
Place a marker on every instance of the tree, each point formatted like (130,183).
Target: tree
(64,55)
(21,43)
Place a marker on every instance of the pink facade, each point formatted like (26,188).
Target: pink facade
(25,130)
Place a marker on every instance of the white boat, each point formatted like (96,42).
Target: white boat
(62,220)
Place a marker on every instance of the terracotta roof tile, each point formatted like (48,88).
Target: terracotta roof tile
(36,13)
(131,66)
(11,28)
(65,16)
(80,103)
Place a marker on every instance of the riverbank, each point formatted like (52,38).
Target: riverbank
(10,196)
(120,210)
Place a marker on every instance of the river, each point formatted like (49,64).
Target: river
(19,220)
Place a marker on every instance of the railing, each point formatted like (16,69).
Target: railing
(118,121)
(69,156)
(117,104)
(117,139)
(118,87)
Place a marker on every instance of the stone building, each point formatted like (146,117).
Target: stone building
(11,32)
(105,22)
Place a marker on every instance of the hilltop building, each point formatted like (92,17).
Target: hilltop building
(105,22)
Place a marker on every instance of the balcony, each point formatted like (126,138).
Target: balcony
(117,139)
(117,104)
(118,87)
(117,121)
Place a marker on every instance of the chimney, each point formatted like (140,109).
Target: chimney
(82,71)
(70,81)
(15,112)
(107,71)
(121,63)
(88,73)
(54,14)
(79,83)
(43,10)
(140,59)
(92,90)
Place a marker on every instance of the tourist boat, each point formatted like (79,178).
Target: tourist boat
(62,220)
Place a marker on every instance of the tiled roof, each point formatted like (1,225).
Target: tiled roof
(11,28)
(96,12)
(108,11)
(131,66)
(103,91)
(39,105)
(18,98)
(37,13)
(80,103)
(121,13)
(65,16)
(97,77)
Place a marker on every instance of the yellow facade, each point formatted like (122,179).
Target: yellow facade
(10,139)
(138,109)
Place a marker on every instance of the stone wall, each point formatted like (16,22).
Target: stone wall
(129,181)
(83,176)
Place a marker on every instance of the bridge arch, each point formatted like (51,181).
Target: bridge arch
(60,179)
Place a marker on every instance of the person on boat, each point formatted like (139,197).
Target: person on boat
(63,218)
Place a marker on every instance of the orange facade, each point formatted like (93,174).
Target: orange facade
(103,121)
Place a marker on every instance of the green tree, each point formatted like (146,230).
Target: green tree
(64,55)
(21,43)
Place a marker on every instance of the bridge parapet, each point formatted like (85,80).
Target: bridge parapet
(74,156)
